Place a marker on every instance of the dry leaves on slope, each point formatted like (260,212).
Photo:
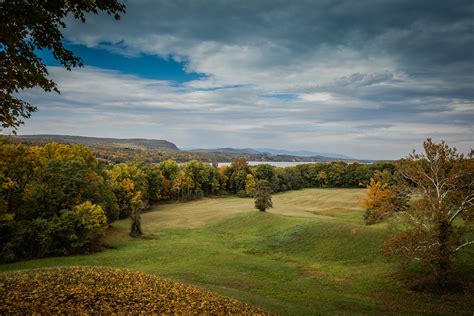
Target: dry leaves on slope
(67,290)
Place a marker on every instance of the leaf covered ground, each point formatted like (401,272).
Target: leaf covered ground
(93,290)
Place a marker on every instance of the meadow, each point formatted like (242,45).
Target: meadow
(310,254)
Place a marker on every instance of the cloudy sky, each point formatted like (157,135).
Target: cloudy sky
(369,79)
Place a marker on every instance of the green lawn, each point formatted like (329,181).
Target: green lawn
(310,254)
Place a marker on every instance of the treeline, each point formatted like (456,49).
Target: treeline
(116,155)
(59,199)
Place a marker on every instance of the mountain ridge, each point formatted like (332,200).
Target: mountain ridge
(133,143)
(154,146)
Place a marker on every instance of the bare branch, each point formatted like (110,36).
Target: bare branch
(464,245)
(464,205)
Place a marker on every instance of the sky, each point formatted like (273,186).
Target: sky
(368,79)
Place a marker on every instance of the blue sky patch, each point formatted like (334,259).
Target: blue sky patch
(145,66)
(282,96)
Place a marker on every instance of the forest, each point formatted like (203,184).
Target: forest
(59,199)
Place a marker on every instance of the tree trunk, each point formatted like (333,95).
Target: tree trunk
(136,229)
(443,260)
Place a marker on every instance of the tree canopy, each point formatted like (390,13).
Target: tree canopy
(59,199)
(263,195)
(27,27)
(438,221)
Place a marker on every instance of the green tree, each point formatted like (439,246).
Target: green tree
(155,181)
(65,176)
(27,27)
(200,173)
(54,200)
(267,172)
(263,195)
(264,172)
(237,174)
(17,163)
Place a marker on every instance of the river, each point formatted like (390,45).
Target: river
(273,163)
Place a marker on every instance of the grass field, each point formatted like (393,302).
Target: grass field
(310,254)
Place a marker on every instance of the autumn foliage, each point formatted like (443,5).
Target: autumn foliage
(100,290)
(53,198)
(383,198)
(437,224)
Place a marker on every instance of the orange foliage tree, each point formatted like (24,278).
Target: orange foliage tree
(383,198)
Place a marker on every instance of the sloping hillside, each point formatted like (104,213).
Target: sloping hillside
(132,143)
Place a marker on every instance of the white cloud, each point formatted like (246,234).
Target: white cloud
(366,79)
(95,102)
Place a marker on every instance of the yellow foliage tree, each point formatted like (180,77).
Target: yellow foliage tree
(250,185)
(92,215)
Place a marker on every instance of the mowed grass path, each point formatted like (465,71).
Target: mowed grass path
(310,254)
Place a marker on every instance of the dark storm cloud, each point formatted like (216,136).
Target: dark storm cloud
(415,31)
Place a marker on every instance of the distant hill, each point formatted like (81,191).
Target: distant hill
(276,152)
(301,153)
(227,150)
(155,150)
(132,143)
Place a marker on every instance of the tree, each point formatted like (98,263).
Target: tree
(263,195)
(384,198)
(16,170)
(93,215)
(199,173)
(127,180)
(322,178)
(183,186)
(237,174)
(155,181)
(437,225)
(30,26)
(250,185)
(169,169)
(137,205)
(54,200)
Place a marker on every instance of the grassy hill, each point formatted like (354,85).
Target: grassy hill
(310,254)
